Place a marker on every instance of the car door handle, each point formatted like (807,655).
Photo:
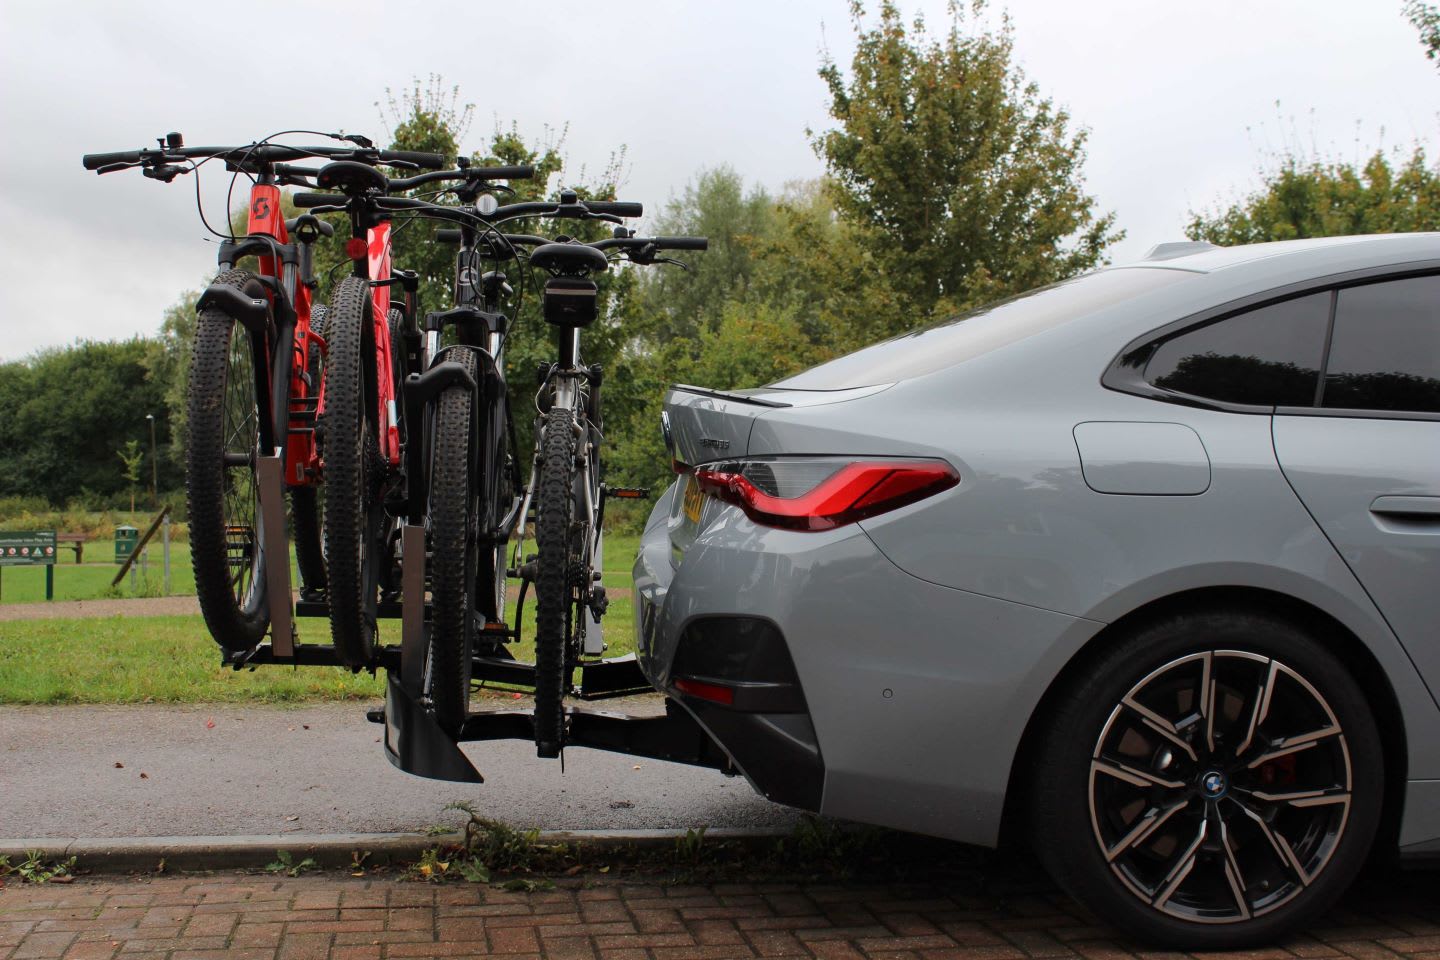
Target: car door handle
(1410,512)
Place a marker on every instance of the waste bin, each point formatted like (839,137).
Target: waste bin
(126,537)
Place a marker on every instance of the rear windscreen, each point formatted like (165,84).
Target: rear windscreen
(960,338)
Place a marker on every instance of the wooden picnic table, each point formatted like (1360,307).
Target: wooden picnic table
(75,541)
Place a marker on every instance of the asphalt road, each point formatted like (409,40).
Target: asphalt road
(139,771)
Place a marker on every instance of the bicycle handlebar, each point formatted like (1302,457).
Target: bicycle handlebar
(263,153)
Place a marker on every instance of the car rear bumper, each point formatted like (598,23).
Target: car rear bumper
(916,696)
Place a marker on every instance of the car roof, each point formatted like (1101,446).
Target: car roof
(1292,255)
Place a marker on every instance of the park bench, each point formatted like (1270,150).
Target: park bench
(75,541)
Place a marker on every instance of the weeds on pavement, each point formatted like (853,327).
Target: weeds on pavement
(285,863)
(35,868)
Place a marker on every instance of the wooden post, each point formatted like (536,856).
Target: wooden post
(50,581)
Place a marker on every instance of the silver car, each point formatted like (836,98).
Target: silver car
(1142,568)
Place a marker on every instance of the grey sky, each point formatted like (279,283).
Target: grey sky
(1180,99)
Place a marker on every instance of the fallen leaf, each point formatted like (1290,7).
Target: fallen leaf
(514,696)
(574,870)
(636,767)
(292,818)
(119,765)
(146,776)
(305,726)
(210,724)
(605,869)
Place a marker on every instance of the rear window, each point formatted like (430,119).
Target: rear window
(962,338)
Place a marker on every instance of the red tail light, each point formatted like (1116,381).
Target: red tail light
(822,493)
(714,692)
(356,248)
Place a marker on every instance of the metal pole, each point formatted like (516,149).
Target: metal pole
(154,465)
(49,581)
(165,539)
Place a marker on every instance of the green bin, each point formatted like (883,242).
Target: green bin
(126,537)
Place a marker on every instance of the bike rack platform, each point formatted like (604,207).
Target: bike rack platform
(416,744)
(414,741)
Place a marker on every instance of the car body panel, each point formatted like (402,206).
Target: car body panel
(966,606)
(1382,513)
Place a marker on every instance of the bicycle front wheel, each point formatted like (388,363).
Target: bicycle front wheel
(454,552)
(224,410)
(557,557)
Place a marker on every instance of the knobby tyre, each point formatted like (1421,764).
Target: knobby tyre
(222,491)
(354,515)
(554,536)
(454,552)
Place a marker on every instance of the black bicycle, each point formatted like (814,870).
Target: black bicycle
(564,495)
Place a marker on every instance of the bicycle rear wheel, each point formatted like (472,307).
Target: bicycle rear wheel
(354,514)
(557,556)
(224,410)
(454,552)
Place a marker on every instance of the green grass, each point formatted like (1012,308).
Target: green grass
(173,660)
(91,580)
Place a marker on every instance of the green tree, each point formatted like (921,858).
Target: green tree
(967,181)
(1426,18)
(133,458)
(66,409)
(678,304)
(1392,193)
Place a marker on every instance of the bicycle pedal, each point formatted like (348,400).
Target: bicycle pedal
(628,493)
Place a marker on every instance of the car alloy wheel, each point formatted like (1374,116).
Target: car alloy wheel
(1220,786)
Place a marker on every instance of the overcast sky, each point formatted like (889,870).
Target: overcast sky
(1180,99)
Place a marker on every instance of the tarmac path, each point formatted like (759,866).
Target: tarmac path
(235,769)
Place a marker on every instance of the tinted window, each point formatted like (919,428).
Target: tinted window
(945,344)
(1385,352)
(1269,356)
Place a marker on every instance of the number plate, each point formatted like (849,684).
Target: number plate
(694,501)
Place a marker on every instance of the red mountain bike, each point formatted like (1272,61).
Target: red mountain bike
(256,384)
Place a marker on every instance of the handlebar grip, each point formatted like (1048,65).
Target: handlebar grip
(319,199)
(427,161)
(447,235)
(520,172)
(617,208)
(94,161)
(682,243)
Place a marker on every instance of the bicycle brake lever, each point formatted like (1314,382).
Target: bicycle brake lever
(355,138)
(164,173)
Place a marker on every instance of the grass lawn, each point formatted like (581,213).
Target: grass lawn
(173,659)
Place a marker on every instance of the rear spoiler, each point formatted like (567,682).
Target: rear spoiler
(729,395)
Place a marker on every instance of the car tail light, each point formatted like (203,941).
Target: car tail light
(821,493)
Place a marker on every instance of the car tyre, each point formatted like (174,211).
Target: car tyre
(1212,781)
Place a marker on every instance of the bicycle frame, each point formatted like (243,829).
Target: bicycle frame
(282,377)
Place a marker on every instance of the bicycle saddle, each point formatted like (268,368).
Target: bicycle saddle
(351,177)
(574,259)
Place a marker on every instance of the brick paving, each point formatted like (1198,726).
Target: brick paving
(317,917)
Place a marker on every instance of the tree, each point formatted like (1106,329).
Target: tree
(66,409)
(1301,198)
(716,205)
(966,181)
(133,458)
(1426,18)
